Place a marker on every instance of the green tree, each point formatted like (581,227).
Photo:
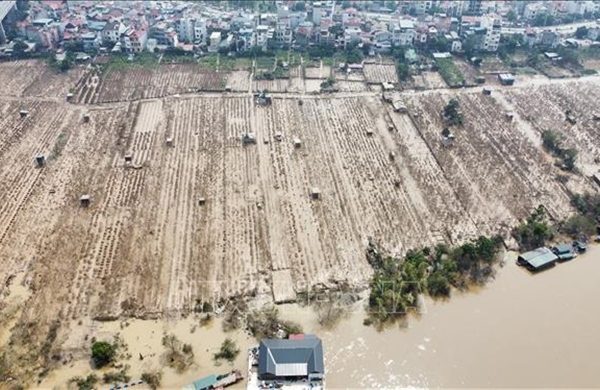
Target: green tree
(403,71)
(581,32)
(354,56)
(229,351)
(569,156)
(511,16)
(579,225)
(551,140)
(103,353)
(299,6)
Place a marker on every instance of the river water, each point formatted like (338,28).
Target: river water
(521,330)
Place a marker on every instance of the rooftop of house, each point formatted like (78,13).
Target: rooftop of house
(295,357)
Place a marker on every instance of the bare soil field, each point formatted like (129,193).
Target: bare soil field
(377,74)
(428,80)
(494,65)
(239,81)
(321,72)
(351,86)
(33,78)
(496,170)
(145,82)
(277,85)
(545,105)
(209,218)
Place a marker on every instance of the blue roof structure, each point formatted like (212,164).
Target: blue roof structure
(205,383)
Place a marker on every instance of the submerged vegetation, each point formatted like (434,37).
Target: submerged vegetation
(398,283)
(534,231)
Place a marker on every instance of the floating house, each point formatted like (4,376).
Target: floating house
(537,259)
(564,252)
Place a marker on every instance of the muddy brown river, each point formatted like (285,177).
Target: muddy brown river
(522,330)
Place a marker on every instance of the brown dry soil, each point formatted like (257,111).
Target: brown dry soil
(147,247)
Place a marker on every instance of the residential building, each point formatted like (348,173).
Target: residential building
(262,35)
(534,9)
(90,40)
(316,13)
(215,41)
(492,24)
(112,32)
(298,359)
(403,34)
(185,29)
(6,7)
(351,34)
(474,7)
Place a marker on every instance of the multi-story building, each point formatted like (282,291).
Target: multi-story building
(403,34)
(215,41)
(112,32)
(185,29)
(534,9)
(316,13)
(284,35)
(474,7)
(492,34)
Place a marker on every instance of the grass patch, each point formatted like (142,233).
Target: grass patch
(209,62)
(229,64)
(525,71)
(121,62)
(266,63)
(450,72)
(59,145)
(335,60)
(589,72)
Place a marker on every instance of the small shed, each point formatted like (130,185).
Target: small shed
(23,113)
(40,159)
(390,127)
(201,201)
(564,252)
(278,136)
(369,132)
(480,80)
(169,141)
(297,143)
(69,97)
(509,116)
(315,193)
(399,106)
(86,118)
(387,86)
(85,200)
(392,155)
(128,158)
(249,138)
(228,88)
(487,91)
(300,102)
(506,78)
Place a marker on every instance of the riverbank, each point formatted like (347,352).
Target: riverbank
(521,330)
